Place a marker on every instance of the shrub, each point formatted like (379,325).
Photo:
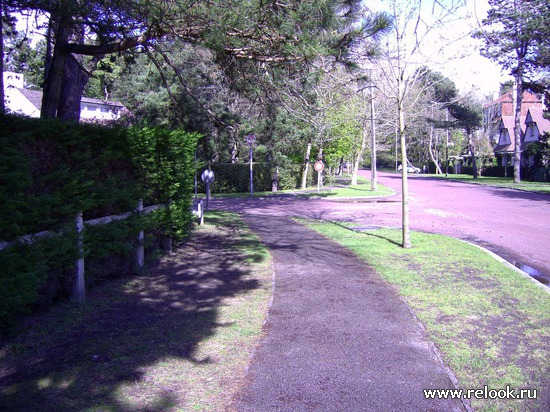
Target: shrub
(51,170)
(235,177)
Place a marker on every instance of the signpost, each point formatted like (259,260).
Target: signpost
(250,139)
(319,166)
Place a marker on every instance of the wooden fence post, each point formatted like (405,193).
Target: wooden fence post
(140,251)
(79,291)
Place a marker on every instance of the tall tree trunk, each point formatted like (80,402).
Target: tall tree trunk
(55,76)
(472,154)
(234,152)
(75,79)
(357,160)
(306,164)
(432,155)
(373,173)
(72,90)
(2,97)
(518,78)
(65,78)
(405,226)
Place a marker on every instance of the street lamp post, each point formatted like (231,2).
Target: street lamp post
(250,139)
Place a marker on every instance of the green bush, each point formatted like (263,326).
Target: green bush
(34,274)
(165,161)
(51,170)
(539,174)
(235,177)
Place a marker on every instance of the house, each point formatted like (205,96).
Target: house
(499,123)
(28,102)
(536,125)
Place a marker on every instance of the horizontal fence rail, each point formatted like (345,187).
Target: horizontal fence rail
(79,289)
(30,239)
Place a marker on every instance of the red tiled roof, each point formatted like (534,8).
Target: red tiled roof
(536,115)
(507,123)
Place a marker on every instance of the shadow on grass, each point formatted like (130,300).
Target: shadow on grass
(79,358)
(370,232)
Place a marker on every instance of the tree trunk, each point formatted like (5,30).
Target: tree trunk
(72,90)
(355,170)
(432,155)
(65,78)
(234,152)
(373,177)
(2,97)
(406,241)
(517,123)
(472,154)
(55,76)
(306,164)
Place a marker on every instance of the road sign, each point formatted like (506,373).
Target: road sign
(319,166)
(250,139)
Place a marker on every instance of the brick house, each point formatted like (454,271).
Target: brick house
(499,124)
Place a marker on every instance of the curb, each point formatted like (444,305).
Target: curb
(505,262)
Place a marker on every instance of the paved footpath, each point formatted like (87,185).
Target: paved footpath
(338,338)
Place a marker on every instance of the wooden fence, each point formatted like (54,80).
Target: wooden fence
(79,289)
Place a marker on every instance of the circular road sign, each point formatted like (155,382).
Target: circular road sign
(250,139)
(319,166)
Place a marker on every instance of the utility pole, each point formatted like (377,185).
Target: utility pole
(250,139)
(447,146)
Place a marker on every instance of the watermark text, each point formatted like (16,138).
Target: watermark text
(484,393)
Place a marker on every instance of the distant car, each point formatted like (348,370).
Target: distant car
(410,169)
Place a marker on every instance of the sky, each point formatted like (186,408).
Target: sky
(460,59)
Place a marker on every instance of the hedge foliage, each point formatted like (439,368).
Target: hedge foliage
(235,177)
(51,170)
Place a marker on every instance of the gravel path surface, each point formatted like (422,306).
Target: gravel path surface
(338,338)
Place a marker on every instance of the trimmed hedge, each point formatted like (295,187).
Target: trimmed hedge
(235,177)
(51,170)
(532,174)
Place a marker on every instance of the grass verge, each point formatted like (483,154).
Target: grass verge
(340,189)
(491,325)
(178,338)
(506,182)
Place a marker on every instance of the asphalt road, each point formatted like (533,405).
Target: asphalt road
(513,224)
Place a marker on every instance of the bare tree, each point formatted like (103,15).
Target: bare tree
(405,58)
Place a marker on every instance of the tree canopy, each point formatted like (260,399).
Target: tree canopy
(243,36)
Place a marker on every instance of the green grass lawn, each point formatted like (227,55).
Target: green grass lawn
(180,337)
(507,182)
(491,325)
(340,188)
